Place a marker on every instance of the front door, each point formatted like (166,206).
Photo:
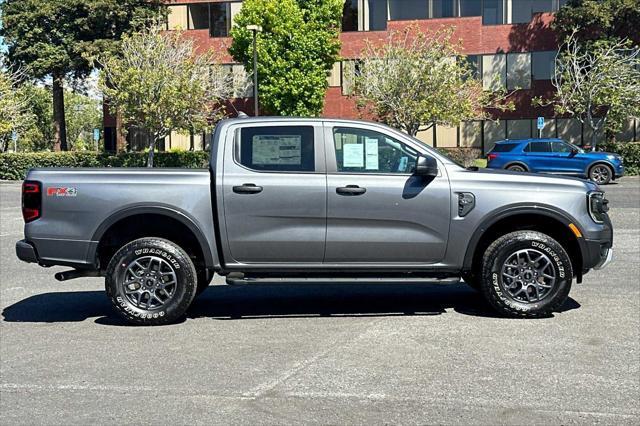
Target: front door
(566,161)
(378,211)
(540,158)
(275,193)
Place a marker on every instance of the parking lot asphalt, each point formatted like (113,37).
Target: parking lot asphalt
(322,353)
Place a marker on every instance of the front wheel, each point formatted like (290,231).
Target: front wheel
(526,274)
(600,174)
(151,281)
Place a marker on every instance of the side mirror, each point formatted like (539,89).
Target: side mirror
(426,166)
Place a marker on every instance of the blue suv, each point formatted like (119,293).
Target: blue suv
(555,156)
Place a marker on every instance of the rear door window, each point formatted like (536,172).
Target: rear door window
(276,148)
(538,147)
(504,147)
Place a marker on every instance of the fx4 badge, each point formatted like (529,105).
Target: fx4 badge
(63,191)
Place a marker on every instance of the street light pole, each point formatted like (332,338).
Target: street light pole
(255,29)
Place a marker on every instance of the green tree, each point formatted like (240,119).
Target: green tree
(297,48)
(60,38)
(15,116)
(598,83)
(599,19)
(416,80)
(158,83)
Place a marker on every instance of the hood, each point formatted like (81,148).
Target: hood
(527,181)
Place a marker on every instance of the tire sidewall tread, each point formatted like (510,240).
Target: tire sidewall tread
(185,273)
(506,245)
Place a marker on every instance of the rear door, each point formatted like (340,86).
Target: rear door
(378,211)
(540,157)
(274,192)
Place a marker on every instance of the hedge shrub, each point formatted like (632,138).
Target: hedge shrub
(630,152)
(14,166)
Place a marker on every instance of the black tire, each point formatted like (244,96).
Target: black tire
(517,168)
(156,259)
(203,280)
(601,174)
(497,289)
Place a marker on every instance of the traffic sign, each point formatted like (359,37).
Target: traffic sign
(96,135)
(540,123)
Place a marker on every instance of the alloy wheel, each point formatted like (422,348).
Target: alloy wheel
(149,282)
(528,275)
(600,174)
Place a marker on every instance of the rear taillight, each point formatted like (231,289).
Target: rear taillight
(31,200)
(491,157)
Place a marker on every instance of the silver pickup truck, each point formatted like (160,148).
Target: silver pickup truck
(293,198)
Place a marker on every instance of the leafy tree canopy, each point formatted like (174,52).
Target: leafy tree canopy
(415,80)
(599,19)
(296,49)
(159,84)
(47,36)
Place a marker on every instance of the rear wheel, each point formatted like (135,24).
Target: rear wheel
(600,174)
(151,281)
(526,274)
(516,168)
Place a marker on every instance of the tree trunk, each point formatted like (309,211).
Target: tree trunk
(152,148)
(594,137)
(59,123)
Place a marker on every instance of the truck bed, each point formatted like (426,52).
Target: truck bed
(76,204)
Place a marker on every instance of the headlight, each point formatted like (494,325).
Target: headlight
(598,206)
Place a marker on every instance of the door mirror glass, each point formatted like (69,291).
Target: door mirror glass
(426,166)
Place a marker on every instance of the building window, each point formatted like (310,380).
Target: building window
(475,63)
(494,71)
(443,8)
(518,71)
(470,7)
(493,12)
(177,18)
(523,10)
(350,15)
(199,16)
(408,9)
(543,64)
(219,19)
(350,69)
(377,16)
(333,79)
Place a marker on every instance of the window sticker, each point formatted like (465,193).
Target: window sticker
(276,149)
(371,157)
(353,155)
(402,167)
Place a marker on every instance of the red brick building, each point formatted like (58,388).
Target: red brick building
(510,38)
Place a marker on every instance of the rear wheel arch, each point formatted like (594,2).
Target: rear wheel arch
(544,219)
(150,221)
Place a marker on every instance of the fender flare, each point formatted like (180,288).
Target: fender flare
(516,209)
(162,210)
(600,161)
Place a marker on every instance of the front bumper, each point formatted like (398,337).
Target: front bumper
(26,252)
(604,261)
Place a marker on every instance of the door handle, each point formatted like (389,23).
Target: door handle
(351,190)
(247,188)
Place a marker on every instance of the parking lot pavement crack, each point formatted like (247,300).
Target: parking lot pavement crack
(264,388)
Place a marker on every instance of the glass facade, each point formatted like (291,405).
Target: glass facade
(216,17)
